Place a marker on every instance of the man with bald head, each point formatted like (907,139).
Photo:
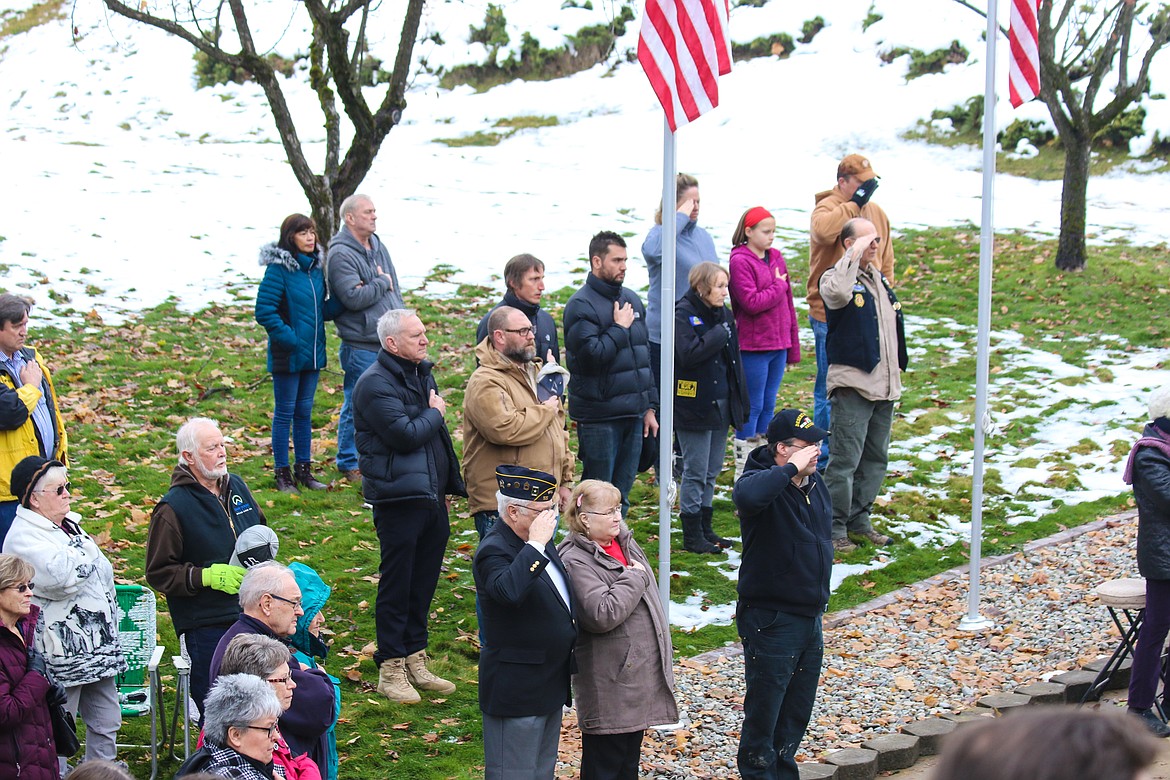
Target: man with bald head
(866,348)
(504,420)
(362,277)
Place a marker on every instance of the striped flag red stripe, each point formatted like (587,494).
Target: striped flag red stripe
(684,49)
(1024,42)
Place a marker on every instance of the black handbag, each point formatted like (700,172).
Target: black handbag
(64,730)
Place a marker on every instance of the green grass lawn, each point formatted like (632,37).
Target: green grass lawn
(126,389)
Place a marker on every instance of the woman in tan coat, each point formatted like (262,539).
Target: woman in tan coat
(625,678)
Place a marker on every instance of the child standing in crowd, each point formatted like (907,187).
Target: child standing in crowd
(709,398)
(761,297)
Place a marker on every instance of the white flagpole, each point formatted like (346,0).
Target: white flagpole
(973,620)
(666,391)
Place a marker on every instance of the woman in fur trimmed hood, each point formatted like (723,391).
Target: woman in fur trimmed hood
(293,304)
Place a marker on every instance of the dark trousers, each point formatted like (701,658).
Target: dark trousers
(611,756)
(609,451)
(782,656)
(413,538)
(858,454)
(1147,655)
(201,644)
(7,515)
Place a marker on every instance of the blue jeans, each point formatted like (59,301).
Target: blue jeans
(7,515)
(354,362)
(821,386)
(763,371)
(702,457)
(782,656)
(609,451)
(293,408)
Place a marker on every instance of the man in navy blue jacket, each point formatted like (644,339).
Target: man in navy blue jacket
(786,521)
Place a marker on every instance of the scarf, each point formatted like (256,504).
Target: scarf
(1161,442)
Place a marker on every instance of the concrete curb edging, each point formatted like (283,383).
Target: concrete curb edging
(892,752)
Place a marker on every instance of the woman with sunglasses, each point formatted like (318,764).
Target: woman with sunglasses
(78,633)
(625,677)
(26,747)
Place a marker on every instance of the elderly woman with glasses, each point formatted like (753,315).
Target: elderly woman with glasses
(24,686)
(240,729)
(78,628)
(268,659)
(625,678)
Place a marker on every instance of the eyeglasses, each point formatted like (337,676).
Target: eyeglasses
(22,588)
(518,331)
(59,490)
(272,730)
(617,510)
(534,510)
(281,680)
(294,604)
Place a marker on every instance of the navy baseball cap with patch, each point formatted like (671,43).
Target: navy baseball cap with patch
(526,484)
(794,424)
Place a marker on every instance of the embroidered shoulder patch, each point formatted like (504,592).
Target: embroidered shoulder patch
(695,320)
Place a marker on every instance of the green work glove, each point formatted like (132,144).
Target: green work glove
(223,576)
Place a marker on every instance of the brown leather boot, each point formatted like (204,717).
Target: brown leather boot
(392,682)
(422,677)
(284,481)
(305,478)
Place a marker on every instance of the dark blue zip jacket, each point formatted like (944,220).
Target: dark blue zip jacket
(787,538)
(710,391)
(293,304)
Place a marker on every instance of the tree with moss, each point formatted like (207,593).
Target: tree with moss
(338,70)
(1094,65)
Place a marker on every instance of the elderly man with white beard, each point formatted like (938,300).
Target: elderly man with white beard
(191,538)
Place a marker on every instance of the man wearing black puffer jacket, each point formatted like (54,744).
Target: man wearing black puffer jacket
(408,468)
(787,522)
(613,398)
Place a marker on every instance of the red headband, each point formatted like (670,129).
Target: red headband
(755,216)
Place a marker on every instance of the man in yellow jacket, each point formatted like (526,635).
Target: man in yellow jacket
(30,420)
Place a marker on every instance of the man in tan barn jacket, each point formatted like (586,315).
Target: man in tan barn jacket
(503,420)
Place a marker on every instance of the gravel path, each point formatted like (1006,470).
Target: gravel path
(903,658)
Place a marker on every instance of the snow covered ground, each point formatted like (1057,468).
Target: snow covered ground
(128,187)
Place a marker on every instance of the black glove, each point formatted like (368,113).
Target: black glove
(864,192)
(57,696)
(36,662)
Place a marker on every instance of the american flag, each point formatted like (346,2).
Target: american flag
(684,49)
(1024,66)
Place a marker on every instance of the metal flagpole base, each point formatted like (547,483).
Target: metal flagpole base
(975,623)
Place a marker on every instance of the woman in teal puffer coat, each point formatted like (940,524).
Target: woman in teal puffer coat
(293,304)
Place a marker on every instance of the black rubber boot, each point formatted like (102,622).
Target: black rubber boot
(693,540)
(305,478)
(709,532)
(284,481)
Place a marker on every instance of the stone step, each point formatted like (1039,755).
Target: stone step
(930,733)
(895,751)
(854,763)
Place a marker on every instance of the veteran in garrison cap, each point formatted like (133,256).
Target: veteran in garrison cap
(528,629)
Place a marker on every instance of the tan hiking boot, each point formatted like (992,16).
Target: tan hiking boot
(879,540)
(392,682)
(843,545)
(418,674)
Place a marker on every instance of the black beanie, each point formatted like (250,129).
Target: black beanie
(27,474)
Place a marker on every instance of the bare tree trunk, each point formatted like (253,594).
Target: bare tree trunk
(1070,252)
